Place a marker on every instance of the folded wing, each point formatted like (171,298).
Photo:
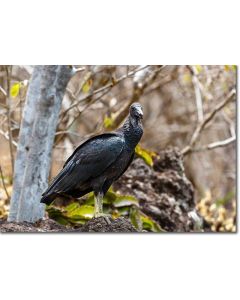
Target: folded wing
(89,160)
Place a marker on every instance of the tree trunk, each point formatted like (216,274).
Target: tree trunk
(33,161)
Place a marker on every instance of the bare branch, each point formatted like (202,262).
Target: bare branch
(206,120)
(141,84)
(230,123)
(60,136)
(3,183)
(9,120)
(78,70)
(5,134)
(197,90)
(3,91)
(108,86)
(215,145)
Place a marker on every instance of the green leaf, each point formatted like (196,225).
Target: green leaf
(72,207)
(87,85)
(187,78)
(57,215)
(150,224)
(108,122)
(110,197)
(227,68)
(61,220)
(125,200)
(145,154)
(226,199)
(82,212)
(15,88)
(198,68)
(123,211)
(135,218)
(90,199)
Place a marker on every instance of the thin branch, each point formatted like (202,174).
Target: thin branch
(87,106)
(68,132)
(108,86)
(206,120)
(60,136)
(5,134)
(215,145)
(230,123)
(198,95)
(127,70)
(3,183)
(137,93)
(3,91)
(9,120)
(78,70)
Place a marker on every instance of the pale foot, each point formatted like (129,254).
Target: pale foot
(105,216)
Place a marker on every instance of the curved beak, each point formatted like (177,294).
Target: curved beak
(140,112)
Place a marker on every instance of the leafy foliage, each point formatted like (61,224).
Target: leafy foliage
(146,155)
(230,68)
(87,85)
(115,204)
(15,88)
(216,212)
(198,69)
(226,199)
(108,122)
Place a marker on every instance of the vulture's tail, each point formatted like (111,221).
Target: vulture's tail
(47,199)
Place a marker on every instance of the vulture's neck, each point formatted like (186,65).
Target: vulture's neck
(132,130)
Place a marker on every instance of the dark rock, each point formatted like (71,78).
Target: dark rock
(164,191)
(48,225)
(170,159)
(101,225)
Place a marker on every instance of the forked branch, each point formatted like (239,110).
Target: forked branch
(200,127)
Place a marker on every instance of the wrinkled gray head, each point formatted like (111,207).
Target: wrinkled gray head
(136,111)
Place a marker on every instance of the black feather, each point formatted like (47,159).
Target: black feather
(99,161)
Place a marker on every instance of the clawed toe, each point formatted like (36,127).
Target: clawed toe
(105,216)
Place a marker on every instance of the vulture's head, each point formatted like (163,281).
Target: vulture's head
(136,111)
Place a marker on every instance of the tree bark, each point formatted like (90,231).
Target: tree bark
(38,127)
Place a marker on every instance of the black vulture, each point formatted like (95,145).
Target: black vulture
(98,162)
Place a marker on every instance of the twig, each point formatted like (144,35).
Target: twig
(206,120)
(68,132)
(9,120)
(78,70)
(198,95)
(7,137)
(3,91)
(215,145)
(60,136)
(110,85)
(3,183)
(137,93)
(127,70)
(230,123)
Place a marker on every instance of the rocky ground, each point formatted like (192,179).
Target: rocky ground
(48,225)
(164,192)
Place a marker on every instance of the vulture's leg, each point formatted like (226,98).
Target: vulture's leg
(98,204)
(99,208)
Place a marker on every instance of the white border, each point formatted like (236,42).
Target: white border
(203,266)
